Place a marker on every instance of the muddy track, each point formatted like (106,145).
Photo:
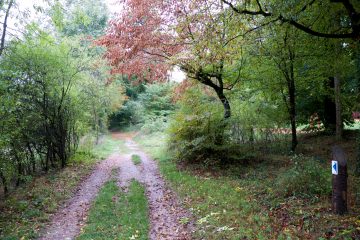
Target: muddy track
(165,211)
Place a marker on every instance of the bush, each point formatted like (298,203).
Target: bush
(198,132)
(307,178)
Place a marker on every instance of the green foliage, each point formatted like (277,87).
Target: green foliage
(198,132)
(88,18)
(196,128)
(148,107)
(52,92)
(307,178)
(118,215)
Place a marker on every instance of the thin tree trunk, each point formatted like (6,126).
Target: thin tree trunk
(4,183)
(292,111)
(2,44)
(339,123)
(292,101)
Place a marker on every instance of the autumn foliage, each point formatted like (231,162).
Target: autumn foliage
(139,40)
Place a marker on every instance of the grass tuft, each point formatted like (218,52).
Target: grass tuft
(136,159)
(116,215)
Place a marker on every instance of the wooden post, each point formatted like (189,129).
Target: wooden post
(339,181)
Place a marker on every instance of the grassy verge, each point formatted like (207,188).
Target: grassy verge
(274,199)
(27,209)
(136,159)
(116,215)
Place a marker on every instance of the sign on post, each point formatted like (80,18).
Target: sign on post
(339,180)
(334,167)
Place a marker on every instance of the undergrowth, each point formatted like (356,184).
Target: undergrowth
(280,197)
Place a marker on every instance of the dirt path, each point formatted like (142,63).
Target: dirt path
(67,222)
(165,211)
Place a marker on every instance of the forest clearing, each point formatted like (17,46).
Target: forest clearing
(179,119)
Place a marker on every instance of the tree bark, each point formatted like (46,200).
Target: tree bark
(292,101)
(225,102)
(4,183)
(2,43)
(339,123)
(357,169)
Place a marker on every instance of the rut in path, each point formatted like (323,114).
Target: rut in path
(165,211)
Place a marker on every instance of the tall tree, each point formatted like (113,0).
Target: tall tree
(202,38)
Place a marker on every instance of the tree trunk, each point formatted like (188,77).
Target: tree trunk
(329,116)
(292,104)
(339,123)
(4,183)
(2,43)
(225,102)
(357,169)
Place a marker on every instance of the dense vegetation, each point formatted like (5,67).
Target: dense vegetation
(54,91)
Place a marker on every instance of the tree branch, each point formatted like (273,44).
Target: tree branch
(352,13)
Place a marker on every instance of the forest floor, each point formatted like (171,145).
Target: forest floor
(165,212)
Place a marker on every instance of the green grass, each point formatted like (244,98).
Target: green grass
(89,153)
(136,159)
(118,215)
(108,147)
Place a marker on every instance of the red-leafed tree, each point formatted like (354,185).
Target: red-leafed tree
(138,43)
(148,38)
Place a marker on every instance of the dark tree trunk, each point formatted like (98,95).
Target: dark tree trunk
(339,123)
(292,103)
(292,112)
(4,183)
(329,117)
(225,102)
(357,169)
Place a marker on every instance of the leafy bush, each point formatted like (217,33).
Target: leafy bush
(307,178)
(198,130)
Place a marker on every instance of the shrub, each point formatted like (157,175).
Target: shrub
(307,178)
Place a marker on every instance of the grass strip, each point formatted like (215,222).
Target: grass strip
(118,215)
(136,159)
